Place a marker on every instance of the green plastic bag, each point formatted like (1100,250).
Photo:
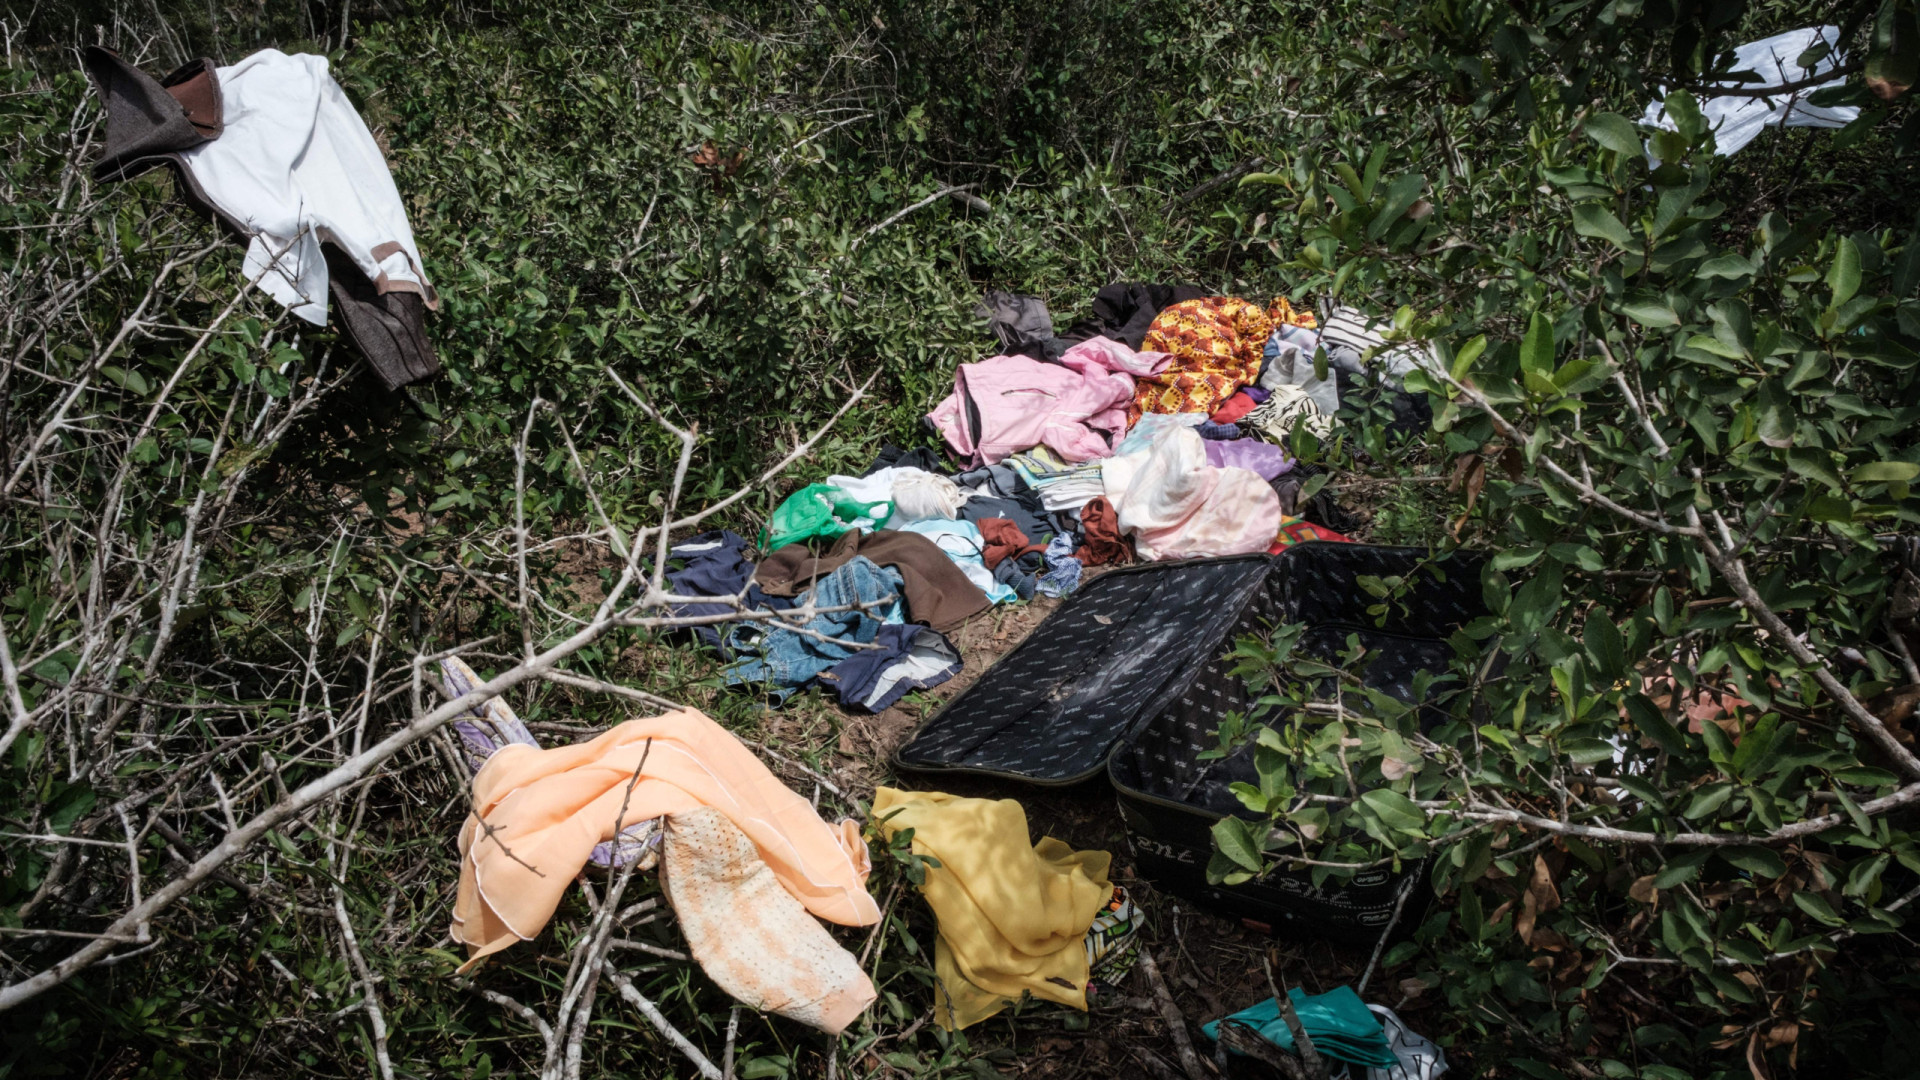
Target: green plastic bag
(820,510)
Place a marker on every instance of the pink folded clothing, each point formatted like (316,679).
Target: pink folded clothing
(1077,407)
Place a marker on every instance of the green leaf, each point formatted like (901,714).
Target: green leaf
(1816,905)
(1593,219)
(1707,800)
(1815,465)
(1402,192)
(1579,555)
(1654,313)
(1463,360)
(1615,132)
(1681,869)
(1730,265)
(1234,838)
(1755,859)
(1885,472)
(1843,277)
(1536,349)
(1605,648)
(1395,810)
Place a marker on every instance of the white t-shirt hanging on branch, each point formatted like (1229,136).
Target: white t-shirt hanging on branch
(297,166)
(1737,121)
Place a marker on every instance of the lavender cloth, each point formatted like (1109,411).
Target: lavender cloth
(1253,455)
(488,726)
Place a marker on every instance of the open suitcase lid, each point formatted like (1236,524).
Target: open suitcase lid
(1050,711)
(1119,652)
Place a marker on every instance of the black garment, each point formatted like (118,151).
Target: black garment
(926,459)
(149,123)
(1124,311)
(1021,324)
(1412,415)
(1021,574)
(1323,509)
(1027,512)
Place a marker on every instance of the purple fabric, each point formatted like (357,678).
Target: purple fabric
(1253,455)
(1259,394)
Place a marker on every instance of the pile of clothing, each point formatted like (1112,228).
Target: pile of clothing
(1155,429)
(749,867)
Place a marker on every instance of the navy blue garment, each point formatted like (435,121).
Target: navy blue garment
(715,564)
(924,458)
(910,657)
(1019,574)
(1001,480)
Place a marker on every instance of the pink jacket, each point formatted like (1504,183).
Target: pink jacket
(1078,407)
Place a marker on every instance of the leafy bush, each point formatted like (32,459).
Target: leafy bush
(1668,808)
(707,201)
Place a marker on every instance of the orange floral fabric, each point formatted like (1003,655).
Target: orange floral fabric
(1216,343)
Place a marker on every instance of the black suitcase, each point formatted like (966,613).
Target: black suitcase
(1129,678)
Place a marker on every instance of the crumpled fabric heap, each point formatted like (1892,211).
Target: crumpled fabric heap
(907,657)
(1013,914)
(1007,404)
(493,725)
(963,543)
(786,658)
(1217,345)
(937,592)
(1004,540)
(1063,570)
(1176,505)
(1104,544)
(715,564)
(537,814)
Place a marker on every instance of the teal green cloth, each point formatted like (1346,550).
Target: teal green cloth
(1339,1023)
(824,511)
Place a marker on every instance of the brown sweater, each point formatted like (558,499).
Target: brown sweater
(937,591)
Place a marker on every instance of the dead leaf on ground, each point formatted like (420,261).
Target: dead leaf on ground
(1644,891)
(1756,1058)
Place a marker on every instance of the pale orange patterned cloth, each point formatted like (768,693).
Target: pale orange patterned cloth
(1216,343)
(550,807)
(751,937)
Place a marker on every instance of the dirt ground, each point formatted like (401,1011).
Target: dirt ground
(1211,964)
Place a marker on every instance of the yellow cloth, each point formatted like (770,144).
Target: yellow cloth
(1013,914)
(548,808)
